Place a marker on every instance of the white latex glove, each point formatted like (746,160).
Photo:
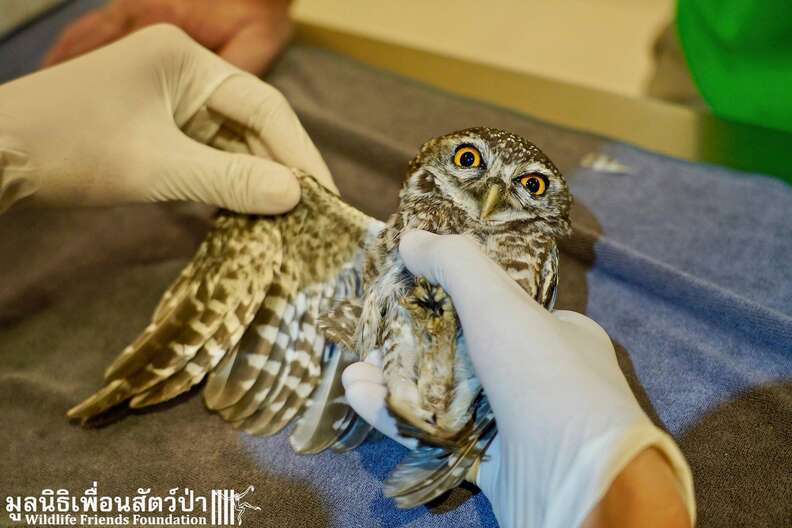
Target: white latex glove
(568,422)
(137,121)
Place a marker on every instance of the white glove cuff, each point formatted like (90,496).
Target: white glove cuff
(601,461)
(518,499)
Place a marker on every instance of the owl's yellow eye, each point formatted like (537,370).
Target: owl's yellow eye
(467,157)
(534,184)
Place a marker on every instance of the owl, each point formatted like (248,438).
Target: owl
(272,309)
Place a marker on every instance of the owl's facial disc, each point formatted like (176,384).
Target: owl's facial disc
(494,177)
(496,185)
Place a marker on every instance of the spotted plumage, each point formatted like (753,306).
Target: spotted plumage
(272,309)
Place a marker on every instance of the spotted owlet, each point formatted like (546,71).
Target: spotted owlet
(271,310)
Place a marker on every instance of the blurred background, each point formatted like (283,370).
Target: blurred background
(610,45)
(615,68)
(604,44)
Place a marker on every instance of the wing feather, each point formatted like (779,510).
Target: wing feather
(277,366)
(213,349)
(225,338)
(252,353)
(301,378)
(191,318)
(318,429)
(259,353)
(243,315)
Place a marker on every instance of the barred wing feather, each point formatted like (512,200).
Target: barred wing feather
(244,313)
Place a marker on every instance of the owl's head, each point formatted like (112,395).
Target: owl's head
(495,177)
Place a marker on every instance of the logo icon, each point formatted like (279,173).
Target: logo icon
(228,506)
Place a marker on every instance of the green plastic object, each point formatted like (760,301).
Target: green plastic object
(740,55)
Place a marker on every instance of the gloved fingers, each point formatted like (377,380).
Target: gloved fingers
(456,263)
(239,182)
(365,391)
(274,126)
(437,257)
(89,32)
(368,400)
(362,371)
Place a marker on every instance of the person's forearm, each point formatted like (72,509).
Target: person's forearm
(646,493)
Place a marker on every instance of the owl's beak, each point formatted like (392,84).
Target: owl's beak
(490,201)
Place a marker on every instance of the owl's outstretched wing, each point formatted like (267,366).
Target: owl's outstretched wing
(243,314)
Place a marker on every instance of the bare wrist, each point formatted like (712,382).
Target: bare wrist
(645,493)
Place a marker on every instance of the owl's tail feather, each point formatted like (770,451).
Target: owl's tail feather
(429,471)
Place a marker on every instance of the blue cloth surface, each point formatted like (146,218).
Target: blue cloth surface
(692,276)
(686,266)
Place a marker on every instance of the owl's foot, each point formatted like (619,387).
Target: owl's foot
(433,424)
(430,307)
(458,414)
(404,402)
(423,403)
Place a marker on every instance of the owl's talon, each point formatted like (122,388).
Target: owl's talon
(404,401)
(429,303)
(420,418)
(425,421)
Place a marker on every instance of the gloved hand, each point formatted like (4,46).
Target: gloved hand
(567,421)
(246,33)
(137,121)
